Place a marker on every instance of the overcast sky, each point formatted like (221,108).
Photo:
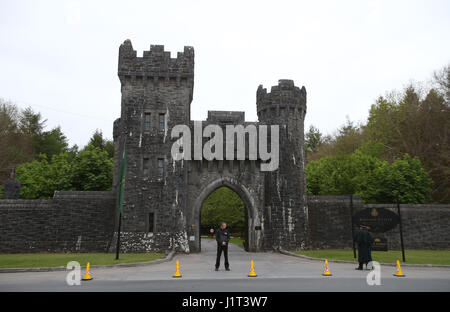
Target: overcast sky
(60,57)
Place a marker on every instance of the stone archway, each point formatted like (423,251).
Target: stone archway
(252,213)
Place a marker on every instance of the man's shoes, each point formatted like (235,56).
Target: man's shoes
(359,268)
(217,269)
(227,269)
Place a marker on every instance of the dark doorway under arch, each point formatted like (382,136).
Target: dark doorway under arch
(224,204)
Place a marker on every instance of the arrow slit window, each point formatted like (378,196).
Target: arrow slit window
(151,222)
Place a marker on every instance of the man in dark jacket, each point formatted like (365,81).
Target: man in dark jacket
(364,240)
(222,238)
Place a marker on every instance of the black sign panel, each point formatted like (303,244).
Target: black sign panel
(379,220)
(379,244)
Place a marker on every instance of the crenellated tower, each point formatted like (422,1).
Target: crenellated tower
(285,189)
(157,93)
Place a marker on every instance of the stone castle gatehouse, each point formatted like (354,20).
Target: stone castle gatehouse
(163,197)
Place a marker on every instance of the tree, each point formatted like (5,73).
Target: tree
(41,178)
(97,140)
(332,175)
(22,136)
(89,170)
(345,140)
(15,146)
(223,205)
(405,178)
(92,170)
(313,140)
(51,142)
(362,174)
(418,126)
(441,82)
(31,123)
(34,179)
(72,152)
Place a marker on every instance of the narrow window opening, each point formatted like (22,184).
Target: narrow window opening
(162,122)
(146,167)
(151,222)
(147,119)
(160,168)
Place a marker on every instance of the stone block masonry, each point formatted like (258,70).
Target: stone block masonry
(70,222)
(424,226)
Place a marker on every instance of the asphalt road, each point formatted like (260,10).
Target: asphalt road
(276,272)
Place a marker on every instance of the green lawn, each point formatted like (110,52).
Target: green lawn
(237,241)
(234,240)
(45,260)
(412,256)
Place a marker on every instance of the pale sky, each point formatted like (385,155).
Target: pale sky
(60,57)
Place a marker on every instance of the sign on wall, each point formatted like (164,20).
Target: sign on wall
(379,220)
(379,244)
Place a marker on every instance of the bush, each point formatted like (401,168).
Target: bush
(376,181)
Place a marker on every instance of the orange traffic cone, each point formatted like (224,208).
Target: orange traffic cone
(252,270)
(177,272)
(399,272)
(326,269)
(87,275)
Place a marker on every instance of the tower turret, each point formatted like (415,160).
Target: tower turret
(285,101)
(285,198)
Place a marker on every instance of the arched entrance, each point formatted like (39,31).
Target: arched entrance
(224,205)
(253,240)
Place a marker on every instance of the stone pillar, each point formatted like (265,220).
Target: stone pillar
(12,189)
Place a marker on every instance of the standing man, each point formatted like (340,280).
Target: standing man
(364,240)
(222,238)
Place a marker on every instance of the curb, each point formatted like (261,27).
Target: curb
(167,258)
(288,253)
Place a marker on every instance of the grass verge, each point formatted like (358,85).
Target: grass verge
(437,257)
(47,260)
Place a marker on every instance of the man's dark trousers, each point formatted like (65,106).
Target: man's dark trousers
(221,248)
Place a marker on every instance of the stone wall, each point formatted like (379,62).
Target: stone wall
(71,221)
(85,222)
(424,226)
(329,220)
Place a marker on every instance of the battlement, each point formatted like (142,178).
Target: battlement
(155,63)
(226,117)
(283,97)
